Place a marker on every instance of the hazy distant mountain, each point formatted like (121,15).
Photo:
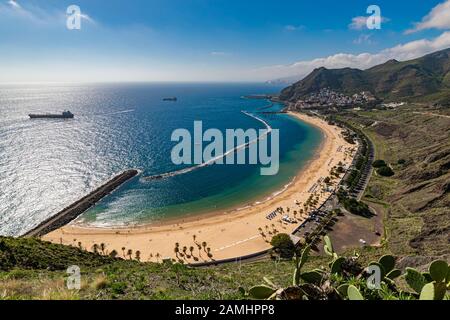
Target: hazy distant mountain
(285,81)
(392,80)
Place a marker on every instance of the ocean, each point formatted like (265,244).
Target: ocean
(47,164)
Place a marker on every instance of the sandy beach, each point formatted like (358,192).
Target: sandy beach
(226,234)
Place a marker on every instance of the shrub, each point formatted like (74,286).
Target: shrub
(379,164)
(385,172)
(118,287)
(100,283)
(283,245)
(356,207)
(352,205)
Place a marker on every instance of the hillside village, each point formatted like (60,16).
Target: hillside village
(328,98)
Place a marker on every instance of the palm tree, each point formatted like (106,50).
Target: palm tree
(150,256)
(129,253)
(260,230)
(95,248)
(176,250)
(204,244)
(157,257)
(184,249)
(138,255)
(194,237)
(80,245)
(113,254)
(102,247)
(123,251)
(191,249)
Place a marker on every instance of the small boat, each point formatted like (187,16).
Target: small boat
(64,115)
(170,99)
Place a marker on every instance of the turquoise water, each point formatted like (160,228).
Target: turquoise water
(47,164)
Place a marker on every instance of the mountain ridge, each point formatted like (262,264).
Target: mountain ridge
(391,80)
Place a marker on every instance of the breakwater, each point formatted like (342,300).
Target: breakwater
(77,208)
(215,159)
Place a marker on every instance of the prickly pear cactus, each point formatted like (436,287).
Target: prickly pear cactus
(388,263)
(354,293)
(433,291)
(415,279)
(328,246)
(261,292)
(438,270)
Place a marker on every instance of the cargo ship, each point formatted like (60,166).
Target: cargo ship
(171,99)
(64,115)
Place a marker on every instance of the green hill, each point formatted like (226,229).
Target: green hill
(34,269)
(393,80)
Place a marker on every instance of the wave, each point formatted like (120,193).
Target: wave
(215,159)
(119,112)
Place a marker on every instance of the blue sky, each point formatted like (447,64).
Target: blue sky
(209,40)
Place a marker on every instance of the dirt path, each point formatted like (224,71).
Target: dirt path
(432,114)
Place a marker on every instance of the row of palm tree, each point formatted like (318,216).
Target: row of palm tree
(183,254)
(101,249)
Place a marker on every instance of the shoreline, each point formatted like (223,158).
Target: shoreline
(228,234)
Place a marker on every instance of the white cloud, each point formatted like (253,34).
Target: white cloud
(403,52)
(360,23)
(219,53)
(87,18)
(291,27)
(363,39)
(438,18)
(14,4)
(31,13)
